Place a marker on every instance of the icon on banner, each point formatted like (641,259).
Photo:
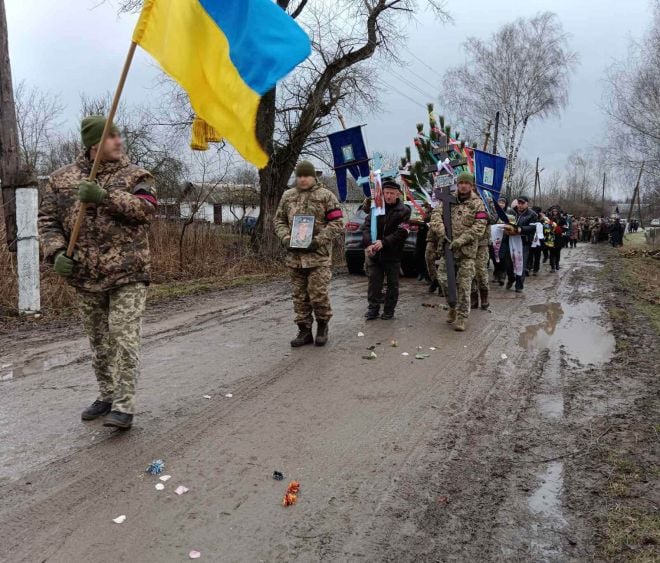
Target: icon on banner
(489,176)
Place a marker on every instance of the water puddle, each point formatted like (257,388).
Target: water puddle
(10,371)
(546,500)
(577,327)
(545,503)
(550,406)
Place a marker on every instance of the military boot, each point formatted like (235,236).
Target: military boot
(451,315)
(321,333)
(304,337)
(483,293)
(459,325)
(96,410)
(121,420)
(474,300)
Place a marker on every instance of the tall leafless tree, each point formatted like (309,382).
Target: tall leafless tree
(210,170)
(632,102)
(38,115)
(522,71)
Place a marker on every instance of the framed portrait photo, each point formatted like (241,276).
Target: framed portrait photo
(302,231)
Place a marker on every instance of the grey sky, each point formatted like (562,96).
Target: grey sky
(69,47)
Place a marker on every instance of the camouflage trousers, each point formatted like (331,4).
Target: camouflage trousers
(310,294)
(431,256)
(481,269)
(113,323)
(464,274)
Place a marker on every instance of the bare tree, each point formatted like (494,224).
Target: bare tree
(522,181)
(522,71)
(632,102)
(345,35)
(210,170)
(62,149)
(38,115)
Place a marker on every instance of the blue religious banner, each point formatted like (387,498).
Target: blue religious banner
(350,155)
(488,176)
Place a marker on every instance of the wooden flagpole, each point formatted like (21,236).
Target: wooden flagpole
(97,159)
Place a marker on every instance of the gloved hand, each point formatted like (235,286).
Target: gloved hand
(456,243)
(286,241)
(314,245)
(510,230)
(63,264)
(91,192)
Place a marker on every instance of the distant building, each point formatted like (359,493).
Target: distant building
(225,204)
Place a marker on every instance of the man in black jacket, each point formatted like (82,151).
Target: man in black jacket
(385,253)
(523,228)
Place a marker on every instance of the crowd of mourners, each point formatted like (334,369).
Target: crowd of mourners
(545,233)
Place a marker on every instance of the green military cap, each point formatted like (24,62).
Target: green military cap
(91,130)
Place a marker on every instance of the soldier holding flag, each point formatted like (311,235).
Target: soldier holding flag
(110,268)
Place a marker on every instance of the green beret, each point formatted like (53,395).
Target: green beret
(465,177)
(305,168)
(91,130)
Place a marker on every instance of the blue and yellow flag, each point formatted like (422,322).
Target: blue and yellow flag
(225,54)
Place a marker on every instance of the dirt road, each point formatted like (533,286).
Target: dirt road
(456,457)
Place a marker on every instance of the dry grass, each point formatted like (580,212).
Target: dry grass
(642,277)
(213,258)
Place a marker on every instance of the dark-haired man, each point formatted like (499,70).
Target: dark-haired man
(385,253)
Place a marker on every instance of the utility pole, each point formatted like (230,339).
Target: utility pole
(602,201)
(636,195)
(497,130)
(536,180)
(11,175)
(19,188)
(639,209)
(487,134)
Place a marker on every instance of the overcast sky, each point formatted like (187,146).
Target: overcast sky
(71,46)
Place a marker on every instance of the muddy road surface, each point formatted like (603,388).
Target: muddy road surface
(458,456)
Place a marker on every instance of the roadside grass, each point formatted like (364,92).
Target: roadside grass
(641,277)
(175,290)
(634,239)
(632,535)
(631,528)
(213,259)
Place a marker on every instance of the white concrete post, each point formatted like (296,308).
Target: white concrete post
(27,250)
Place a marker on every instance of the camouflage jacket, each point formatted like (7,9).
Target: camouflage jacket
(468,223)
(328,225)
(113,246)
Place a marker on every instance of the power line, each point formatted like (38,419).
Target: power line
(420,77)
(413,86)
(416,102)
(421,61)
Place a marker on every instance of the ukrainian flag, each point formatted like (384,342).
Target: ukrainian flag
(225,54)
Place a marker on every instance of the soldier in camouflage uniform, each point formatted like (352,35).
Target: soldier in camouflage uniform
(310,267)
(431,256)
(480,282)
(110,267)
(468,222)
